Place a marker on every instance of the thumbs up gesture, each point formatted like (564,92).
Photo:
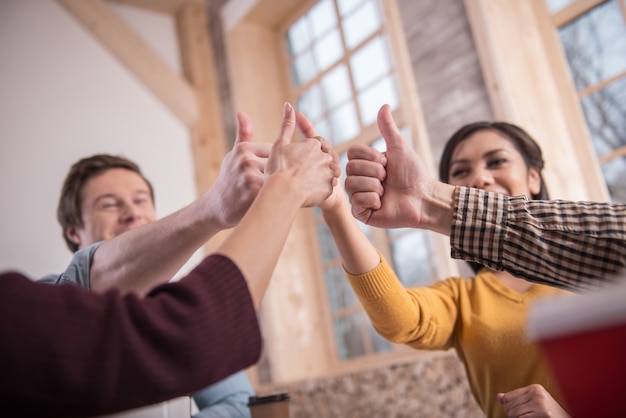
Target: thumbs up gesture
(387,190)
(311,164)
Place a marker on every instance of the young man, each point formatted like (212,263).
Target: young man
(104,196)
(68,352)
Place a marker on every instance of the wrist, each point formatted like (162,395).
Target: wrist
(210,213)
(438,207)
(282,184)
(335,204)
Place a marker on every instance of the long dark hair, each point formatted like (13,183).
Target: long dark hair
(523,142)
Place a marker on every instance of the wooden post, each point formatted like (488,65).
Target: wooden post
(208,143)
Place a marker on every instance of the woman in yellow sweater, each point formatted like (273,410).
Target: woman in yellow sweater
(483,317)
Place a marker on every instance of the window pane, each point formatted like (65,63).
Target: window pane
(362,23)
(336,86)
(595,45)
(379,145)
(316,48)
(411,257)
(346,6)
(344,124)
(349,338)
(614,173)
(340,293)
(605,111)
(370,63)
(303,69)
(380,344)
(322,17)
(556,5)
(323,128)
(373,98)
(328,50)
(298,37)
(327,245)
(310,103)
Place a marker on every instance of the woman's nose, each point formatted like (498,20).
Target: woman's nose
(480,178)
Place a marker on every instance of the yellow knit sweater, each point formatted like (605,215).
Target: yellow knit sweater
(481,318)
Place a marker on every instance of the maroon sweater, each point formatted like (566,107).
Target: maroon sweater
(65,351)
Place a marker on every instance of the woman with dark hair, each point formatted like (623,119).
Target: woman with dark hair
(482,317)
(519,138)
(524,143)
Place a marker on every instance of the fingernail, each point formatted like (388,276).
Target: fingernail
(286,109)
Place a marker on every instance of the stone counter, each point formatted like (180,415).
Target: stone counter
(433,386)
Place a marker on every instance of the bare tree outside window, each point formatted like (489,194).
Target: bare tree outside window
(595,46)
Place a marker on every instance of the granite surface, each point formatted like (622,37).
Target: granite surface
(430,387)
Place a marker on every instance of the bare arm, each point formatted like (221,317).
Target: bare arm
(357,253)
(299,174)
(142,258)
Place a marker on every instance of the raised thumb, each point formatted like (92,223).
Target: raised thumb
(388,129)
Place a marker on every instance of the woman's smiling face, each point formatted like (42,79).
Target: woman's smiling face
(489,160)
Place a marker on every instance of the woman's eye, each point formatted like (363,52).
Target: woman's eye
(497,162)
(458,173)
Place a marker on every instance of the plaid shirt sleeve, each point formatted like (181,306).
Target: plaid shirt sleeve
(573,245)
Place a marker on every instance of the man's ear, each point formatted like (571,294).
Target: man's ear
(534,181)
(72,234)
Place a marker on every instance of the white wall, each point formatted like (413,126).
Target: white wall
(64,97)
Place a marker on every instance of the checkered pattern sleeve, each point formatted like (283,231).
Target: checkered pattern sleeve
(573,245)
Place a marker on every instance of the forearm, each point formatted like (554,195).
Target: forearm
(573,245)
(358,255)
(69,352)
(393,311)
(438,208)
(255,245)
(143,258)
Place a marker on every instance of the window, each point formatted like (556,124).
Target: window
(342,70)
(593,35)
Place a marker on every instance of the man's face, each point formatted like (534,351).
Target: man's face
(113,202)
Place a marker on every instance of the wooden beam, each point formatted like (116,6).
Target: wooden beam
(574,11)
(136,55)
(163,6)
(207,134)
(528,80)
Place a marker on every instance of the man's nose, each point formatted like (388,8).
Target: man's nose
(130,211)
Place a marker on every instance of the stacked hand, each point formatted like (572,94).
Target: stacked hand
(308,130)
(241,175)
(311,163)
